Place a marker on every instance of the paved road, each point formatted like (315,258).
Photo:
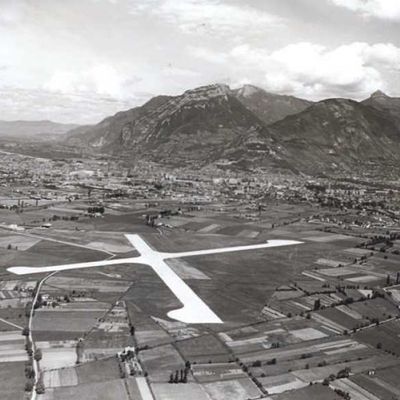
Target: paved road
(35,363)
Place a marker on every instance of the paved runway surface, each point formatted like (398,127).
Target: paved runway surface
(194,310)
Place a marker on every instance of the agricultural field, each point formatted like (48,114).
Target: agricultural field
(316,391)
(165,391)
(203,349)
(12,380)
(12,347)
(240,389)
(90,391)
(384,337)
(160,362)
(285,316)
(375,386)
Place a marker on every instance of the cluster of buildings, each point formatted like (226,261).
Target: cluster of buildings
(28,181)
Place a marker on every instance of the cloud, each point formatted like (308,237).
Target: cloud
(208,55)
(122,52)
(313,71)
(11,12)
(386,54)
(384,9)
(209,16)
(102,79)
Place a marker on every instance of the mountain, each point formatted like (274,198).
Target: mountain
(113,131)
(383,102)
(24,129)
(214,125)
(270,107)
(201,126)
(338,134)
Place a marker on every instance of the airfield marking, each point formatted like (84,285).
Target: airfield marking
(194,310)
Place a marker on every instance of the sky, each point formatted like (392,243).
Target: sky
(78,61)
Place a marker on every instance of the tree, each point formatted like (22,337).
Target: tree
(29,372)
(317,304)
(38,355)
(28,347)
(39,301)
(344,373)
(40,389)
(29,386)
(9,247)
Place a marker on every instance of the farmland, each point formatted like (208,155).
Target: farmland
(286,316)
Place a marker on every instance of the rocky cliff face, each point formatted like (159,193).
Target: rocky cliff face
(204,124)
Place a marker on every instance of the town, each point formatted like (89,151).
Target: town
(319,319)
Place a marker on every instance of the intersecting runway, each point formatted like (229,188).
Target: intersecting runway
(194,310)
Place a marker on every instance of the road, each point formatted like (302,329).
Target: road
(11,324)
(35,363)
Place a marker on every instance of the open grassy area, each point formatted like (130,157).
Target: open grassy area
(12,380)
(204,349)
(98,371)
(317,392)
(112,389)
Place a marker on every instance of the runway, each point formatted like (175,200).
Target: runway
(194,310)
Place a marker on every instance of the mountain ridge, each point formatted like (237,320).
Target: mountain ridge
(25,128)
(214,124)
(270,107)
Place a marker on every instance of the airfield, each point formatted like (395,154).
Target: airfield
(234,298)
(194,310)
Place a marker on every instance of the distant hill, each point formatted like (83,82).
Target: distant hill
(270,107)
(383,102)
(214,125)
(23,129)
(338,133)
